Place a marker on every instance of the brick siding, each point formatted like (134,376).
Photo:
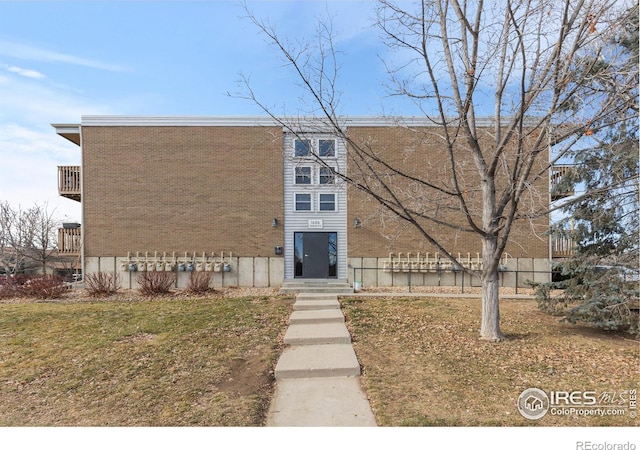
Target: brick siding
(422,153)
(217,188)
(182,189)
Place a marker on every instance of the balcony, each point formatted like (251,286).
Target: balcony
(69,239)
(69,182)
(556,177)
(562,247)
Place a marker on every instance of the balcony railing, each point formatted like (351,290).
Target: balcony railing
(69,240)
(69,182)
(557,174)
(562,247)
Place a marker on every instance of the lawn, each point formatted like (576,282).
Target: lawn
(180,361)
(124,362)
(423,363)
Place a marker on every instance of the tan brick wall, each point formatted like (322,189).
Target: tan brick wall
(422,153)
(182,189)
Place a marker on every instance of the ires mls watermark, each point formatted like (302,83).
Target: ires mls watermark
(534,403)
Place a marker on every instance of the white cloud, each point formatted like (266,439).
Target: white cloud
(32,178)
(30,149)
(28,173)
(26,100)
(31,53)
(26,72)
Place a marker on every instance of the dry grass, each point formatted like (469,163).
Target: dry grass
(207,361)
(423,363)
(124,361)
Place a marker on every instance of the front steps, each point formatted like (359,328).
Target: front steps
(317,374)
(335,287)
(319,344)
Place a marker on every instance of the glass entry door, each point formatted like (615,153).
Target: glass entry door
(316,255)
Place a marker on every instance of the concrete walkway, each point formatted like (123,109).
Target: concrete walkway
(317,375)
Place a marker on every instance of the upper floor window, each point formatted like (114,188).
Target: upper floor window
(326,148)
(303,202)
(327,202)
(323,148)
(303,175)
(302,147)
(327,175)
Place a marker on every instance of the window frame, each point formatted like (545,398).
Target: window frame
(314,147)
(335,147)
(332,174)
(309,148)
(296,202)
(295,176)
(320,202)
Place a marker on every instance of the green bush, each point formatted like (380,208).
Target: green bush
(602,296)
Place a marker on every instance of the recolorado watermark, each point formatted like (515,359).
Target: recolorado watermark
(534,403)
(588,445)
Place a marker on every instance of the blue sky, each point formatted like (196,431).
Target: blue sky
(60,60)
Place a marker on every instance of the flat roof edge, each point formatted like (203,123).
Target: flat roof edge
(69,131)
(181,121)
(66,127)
(293,122)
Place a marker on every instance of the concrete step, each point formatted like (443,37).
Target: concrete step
(317,316)
(320,402)
(303,296)
(312,361)
(334,290)
(316,282)
(306,305)
(335,287)
(317,334)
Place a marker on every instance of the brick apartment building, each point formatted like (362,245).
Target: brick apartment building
(245,199)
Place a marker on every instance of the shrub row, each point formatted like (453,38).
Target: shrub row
(158,283)
(100,284)
(41,287)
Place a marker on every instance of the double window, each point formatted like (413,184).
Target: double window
(325,202)
(324,148)
(304,175)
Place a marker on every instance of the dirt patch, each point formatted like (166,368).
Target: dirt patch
(247,375)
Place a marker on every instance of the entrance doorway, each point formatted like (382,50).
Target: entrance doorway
(316,255)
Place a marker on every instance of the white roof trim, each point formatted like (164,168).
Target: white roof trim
(176,121)
(66,128)
(246,121)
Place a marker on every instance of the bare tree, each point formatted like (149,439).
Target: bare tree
(11,260)
(503,86)
(27,237)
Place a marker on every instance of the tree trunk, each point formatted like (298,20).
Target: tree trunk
(490,327)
